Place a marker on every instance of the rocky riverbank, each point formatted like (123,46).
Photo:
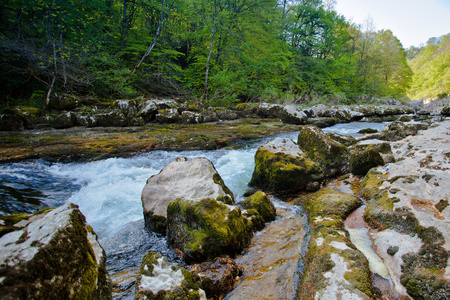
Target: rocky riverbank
(406,213)
(73,131)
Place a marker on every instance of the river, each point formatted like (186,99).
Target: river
(108,191)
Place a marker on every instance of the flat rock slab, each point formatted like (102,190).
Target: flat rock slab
(271,261)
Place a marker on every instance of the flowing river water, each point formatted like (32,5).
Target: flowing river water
(108,194)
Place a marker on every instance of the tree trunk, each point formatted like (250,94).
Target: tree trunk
(213,32)
(162,21)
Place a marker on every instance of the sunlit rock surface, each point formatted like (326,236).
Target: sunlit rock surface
(408,205)
(53,254)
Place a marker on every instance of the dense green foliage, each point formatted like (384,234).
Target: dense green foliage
(431,66)
(252,49)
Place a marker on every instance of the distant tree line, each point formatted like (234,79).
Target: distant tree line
(431,66)
(219,51)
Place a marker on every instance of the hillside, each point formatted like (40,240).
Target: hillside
(431,67)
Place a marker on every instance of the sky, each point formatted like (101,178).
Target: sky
(413,22)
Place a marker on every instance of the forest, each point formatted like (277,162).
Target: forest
(218,51)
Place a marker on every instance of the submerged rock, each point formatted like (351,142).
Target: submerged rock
(192,180)
(53,254)
(332,156)
(157,279)
(204,229)
(281,166)
(218,277)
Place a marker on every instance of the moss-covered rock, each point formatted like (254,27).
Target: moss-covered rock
(30,116)
(398,130)
(332,156)
(332,265)
(157,279)
(261,203)
(64,102)
(64,120)
(364,159)
(205,229)
(169,115)
(111,118)
(346,140)
(53,255)
(11,123)
(192,180)
(189,117)
(280,166)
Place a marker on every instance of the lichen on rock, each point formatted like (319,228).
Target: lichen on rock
(54,255)
(158,279)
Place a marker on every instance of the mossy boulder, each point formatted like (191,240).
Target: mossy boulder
(331,155)
(148,111)
(111,118)
(30,116)
(227,114)
(293,114)
(205,229)
(158,279)
(189,117)
(210,115)
(64,120)
(192,180)
(362,160)
(262,204)
(398,130)
(169,115)
(333,268)
(53,255)
(282,167)
(346,140)
(322,122)
(64,102)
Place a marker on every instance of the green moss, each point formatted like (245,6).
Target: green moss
(331,155)
(205,229)
(227,199)
(261,203)
(361,161)
(283,173)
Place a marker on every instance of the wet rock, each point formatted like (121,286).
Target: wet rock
(332,156)
(218,277)
(157,279)
(169,115)
(281,166)
(367,130)
(192,180)
(333,268)
(205,229)
(53,254)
